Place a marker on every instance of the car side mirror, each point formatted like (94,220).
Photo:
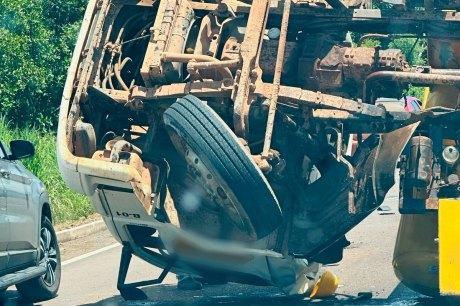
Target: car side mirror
(21,149)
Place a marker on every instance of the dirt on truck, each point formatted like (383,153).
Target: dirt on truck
(215,137)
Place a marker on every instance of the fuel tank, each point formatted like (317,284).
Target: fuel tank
(415,259)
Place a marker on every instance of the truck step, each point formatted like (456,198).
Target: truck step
(21,276)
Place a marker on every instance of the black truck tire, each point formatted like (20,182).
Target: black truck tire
(191,123)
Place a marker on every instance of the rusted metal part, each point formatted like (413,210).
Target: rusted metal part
(169,33)
(85,139)
(444,53)
(199,89)
(207,43)
(84,69)
(295,95)
(115,96)
(346,68)
(425,175)
(249,52)
(437,23)
(201,6)
(170,209)
(319,201)
(148,3)
(407,77)
(135,97)
(117,71)
(400,19)
(194,59)
(432,204)
(267,56)
(352,208)
(143,190)
(390,148)
(147,175)
(234,5)
(277,78)
(331,114)
(269,53)
(416,199)
(367,36)
(287,95)
(326,106)
(214,64)
(222,67)
(185,58)
(446,71)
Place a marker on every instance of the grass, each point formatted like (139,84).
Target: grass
(66,205)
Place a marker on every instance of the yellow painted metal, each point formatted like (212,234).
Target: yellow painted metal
(449,247)
(441,95)
(426,93)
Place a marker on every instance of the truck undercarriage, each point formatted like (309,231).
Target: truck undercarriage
(215,134)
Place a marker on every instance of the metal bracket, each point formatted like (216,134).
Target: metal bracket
(249,53)
(125,260)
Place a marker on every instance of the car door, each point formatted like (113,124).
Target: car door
(22,248)
(4,225)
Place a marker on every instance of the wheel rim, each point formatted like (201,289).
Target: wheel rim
(48,256)
(216,190)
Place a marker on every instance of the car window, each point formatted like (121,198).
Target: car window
(415,106)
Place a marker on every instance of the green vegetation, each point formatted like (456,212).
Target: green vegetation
(36,44)
(413,48)
(65,204)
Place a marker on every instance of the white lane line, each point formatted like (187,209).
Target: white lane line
(78,258)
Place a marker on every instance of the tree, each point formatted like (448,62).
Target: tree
(36,43)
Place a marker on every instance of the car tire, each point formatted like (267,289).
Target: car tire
(46,286)
(193,125)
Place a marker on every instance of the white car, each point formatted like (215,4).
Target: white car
(29,250)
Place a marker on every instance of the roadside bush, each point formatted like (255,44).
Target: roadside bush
(66,205)
(36,42)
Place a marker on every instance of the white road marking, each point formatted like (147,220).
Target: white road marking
(78,258)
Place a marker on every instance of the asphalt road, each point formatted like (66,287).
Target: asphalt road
(90,278)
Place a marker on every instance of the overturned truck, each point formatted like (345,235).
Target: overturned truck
(241,140)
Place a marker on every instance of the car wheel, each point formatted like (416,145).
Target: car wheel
(220,164)
(46,286)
